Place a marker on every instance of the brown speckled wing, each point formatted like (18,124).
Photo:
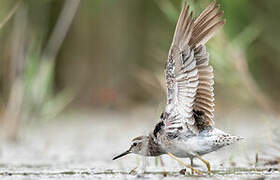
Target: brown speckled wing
(189,77)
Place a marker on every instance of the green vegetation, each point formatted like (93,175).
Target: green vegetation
(114,53)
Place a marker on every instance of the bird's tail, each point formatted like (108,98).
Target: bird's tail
(226,139)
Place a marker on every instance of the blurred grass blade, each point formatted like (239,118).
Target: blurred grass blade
(61,28)
(10,15)
(168,9)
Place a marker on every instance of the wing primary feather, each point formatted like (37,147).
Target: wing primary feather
(188,32)
(205,26)
(206,18)
(208,34)
(182,16)
(205,11)
(209,23)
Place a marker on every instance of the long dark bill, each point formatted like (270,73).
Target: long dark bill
(121,155)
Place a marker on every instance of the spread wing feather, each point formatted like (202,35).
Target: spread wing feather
(189,77)
(205,96)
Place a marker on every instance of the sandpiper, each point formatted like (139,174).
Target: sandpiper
(186,127)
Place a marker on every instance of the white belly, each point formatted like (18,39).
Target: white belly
(196,145)
(190,147)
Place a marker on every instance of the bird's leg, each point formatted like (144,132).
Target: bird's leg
(205,162)
(191,163)
(184,164)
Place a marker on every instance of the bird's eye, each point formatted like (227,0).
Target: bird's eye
(134,144)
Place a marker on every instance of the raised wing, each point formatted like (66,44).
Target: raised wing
(204,99)
(189,77)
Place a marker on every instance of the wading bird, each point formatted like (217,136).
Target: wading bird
(186,127)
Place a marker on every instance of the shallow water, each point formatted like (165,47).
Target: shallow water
(233,173)
(81,146)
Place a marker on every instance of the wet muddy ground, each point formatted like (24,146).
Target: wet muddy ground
(81,146)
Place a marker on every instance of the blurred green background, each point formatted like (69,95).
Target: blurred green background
(112,56)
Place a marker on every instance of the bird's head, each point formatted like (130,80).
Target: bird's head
(138,146)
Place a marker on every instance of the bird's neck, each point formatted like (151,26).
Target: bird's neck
(153,148)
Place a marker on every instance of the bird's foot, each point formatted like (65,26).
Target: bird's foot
(183,171)
(206,163)
(184,164)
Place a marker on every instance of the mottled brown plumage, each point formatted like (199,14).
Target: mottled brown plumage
(189,77)
(186,126)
